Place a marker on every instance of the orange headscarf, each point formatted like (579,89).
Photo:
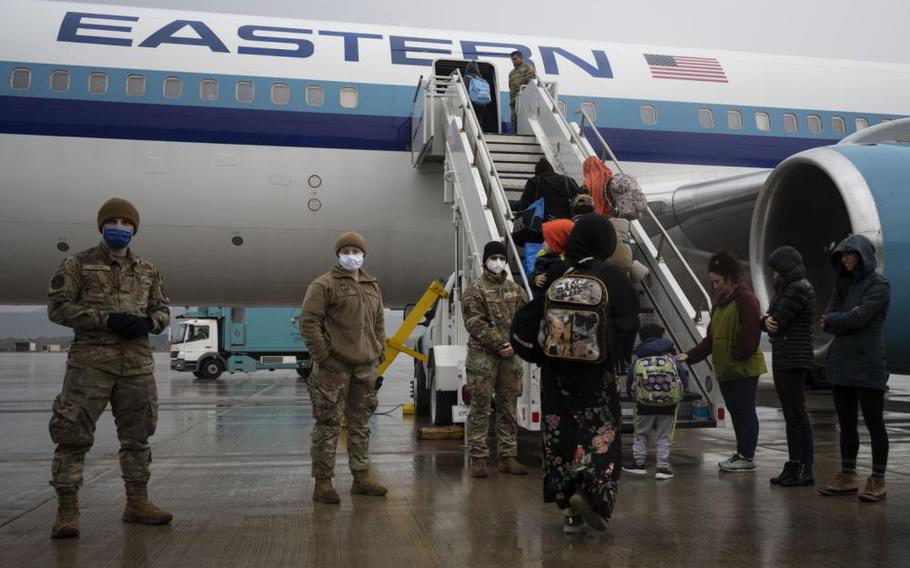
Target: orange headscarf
(556,233)
(597,176)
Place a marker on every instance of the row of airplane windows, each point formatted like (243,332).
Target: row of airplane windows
(245,92)
(172,88)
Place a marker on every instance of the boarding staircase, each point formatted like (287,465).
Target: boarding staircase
(482,172)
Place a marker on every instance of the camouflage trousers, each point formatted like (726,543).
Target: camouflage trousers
(85,394)
(514,118)
(490,374)
(341,390)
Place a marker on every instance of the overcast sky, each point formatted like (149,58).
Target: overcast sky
(871,30)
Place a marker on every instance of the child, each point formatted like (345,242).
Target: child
(656,383)
(555,236)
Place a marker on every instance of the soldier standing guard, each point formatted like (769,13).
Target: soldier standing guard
(520,75)
(488,307)
(342,323)
(112,299)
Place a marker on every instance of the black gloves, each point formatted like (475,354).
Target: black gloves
(129,326)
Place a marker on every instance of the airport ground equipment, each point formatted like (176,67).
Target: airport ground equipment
(481,172)
(208,341)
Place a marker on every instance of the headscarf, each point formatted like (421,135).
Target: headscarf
(597,176)
(543,167)
(593,237)
(556,234)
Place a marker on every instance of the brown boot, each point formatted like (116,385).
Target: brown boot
(363,485)
(511,465)
(479,467)
(139,509)
(874,491)
(324,492)
(66,524)
(841,484)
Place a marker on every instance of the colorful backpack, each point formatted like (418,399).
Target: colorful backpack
(626,196)
(575,319)
(479,90)
(657,381)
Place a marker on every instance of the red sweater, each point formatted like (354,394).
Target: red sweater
(749,315)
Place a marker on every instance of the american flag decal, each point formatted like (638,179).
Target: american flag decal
(686,68)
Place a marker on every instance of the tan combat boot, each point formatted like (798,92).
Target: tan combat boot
(324,492)
(841,484)
(874,491)
(66,524)
(363,485)
(479,467)
(511,465)
(139,509)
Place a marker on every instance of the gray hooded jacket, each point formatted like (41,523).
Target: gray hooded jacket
(856,318)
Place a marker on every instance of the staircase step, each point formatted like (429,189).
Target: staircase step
(520,157)
(514,168)
(512,184)
(498,148)
(510,139)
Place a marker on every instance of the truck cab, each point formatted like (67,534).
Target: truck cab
(195,341)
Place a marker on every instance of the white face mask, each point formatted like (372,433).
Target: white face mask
(496,266)
(351,262)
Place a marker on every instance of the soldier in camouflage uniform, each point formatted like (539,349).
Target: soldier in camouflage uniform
(488,307)
(342,324)
(112,299)
(520,75)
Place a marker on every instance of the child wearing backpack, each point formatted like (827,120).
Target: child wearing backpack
(656,383)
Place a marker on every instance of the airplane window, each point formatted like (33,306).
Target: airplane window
(791,124)
(591,109)
(706,118)
(734,120)
(648,114)
(208,90)
(349,97)
(244,92)
(815,123)
(173,87)
(97,83)
(838,125)
(762,121)
(135,85)
(21,78)
(861,123)
(315,96)
(60,81)
(562,106)
(280,94)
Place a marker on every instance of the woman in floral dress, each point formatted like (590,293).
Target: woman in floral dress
(581,430)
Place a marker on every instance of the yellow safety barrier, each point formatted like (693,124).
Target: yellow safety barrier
(395,344)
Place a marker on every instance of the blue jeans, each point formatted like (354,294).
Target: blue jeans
(739,395)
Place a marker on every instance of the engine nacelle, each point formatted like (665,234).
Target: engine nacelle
(814,199)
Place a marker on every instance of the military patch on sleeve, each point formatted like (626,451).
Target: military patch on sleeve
(57,282)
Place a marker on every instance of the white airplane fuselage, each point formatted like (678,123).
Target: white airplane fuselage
(242,194)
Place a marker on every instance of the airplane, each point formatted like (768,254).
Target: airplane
(249,143)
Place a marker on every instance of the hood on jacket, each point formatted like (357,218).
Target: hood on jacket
(543,167)
(788,262)
(556,234)
(593,237)
(654,346)
(860,244)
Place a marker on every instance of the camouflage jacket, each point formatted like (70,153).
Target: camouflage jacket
(488,306)
(518,76)
(91,285)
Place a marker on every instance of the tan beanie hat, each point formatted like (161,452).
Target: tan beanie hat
(351,239)
(116,207)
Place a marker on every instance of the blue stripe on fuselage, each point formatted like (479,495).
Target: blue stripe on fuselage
(380,120)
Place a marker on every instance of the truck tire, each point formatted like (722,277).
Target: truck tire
(441,402)
(211,368)
(198,374)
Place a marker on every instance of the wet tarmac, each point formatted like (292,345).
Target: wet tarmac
(231,462)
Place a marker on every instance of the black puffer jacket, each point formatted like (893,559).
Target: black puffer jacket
(856,317)
(557,192)
(793,307)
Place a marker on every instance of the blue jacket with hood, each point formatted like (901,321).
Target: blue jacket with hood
(856,318)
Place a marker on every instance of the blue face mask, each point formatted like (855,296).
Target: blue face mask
(117,236)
